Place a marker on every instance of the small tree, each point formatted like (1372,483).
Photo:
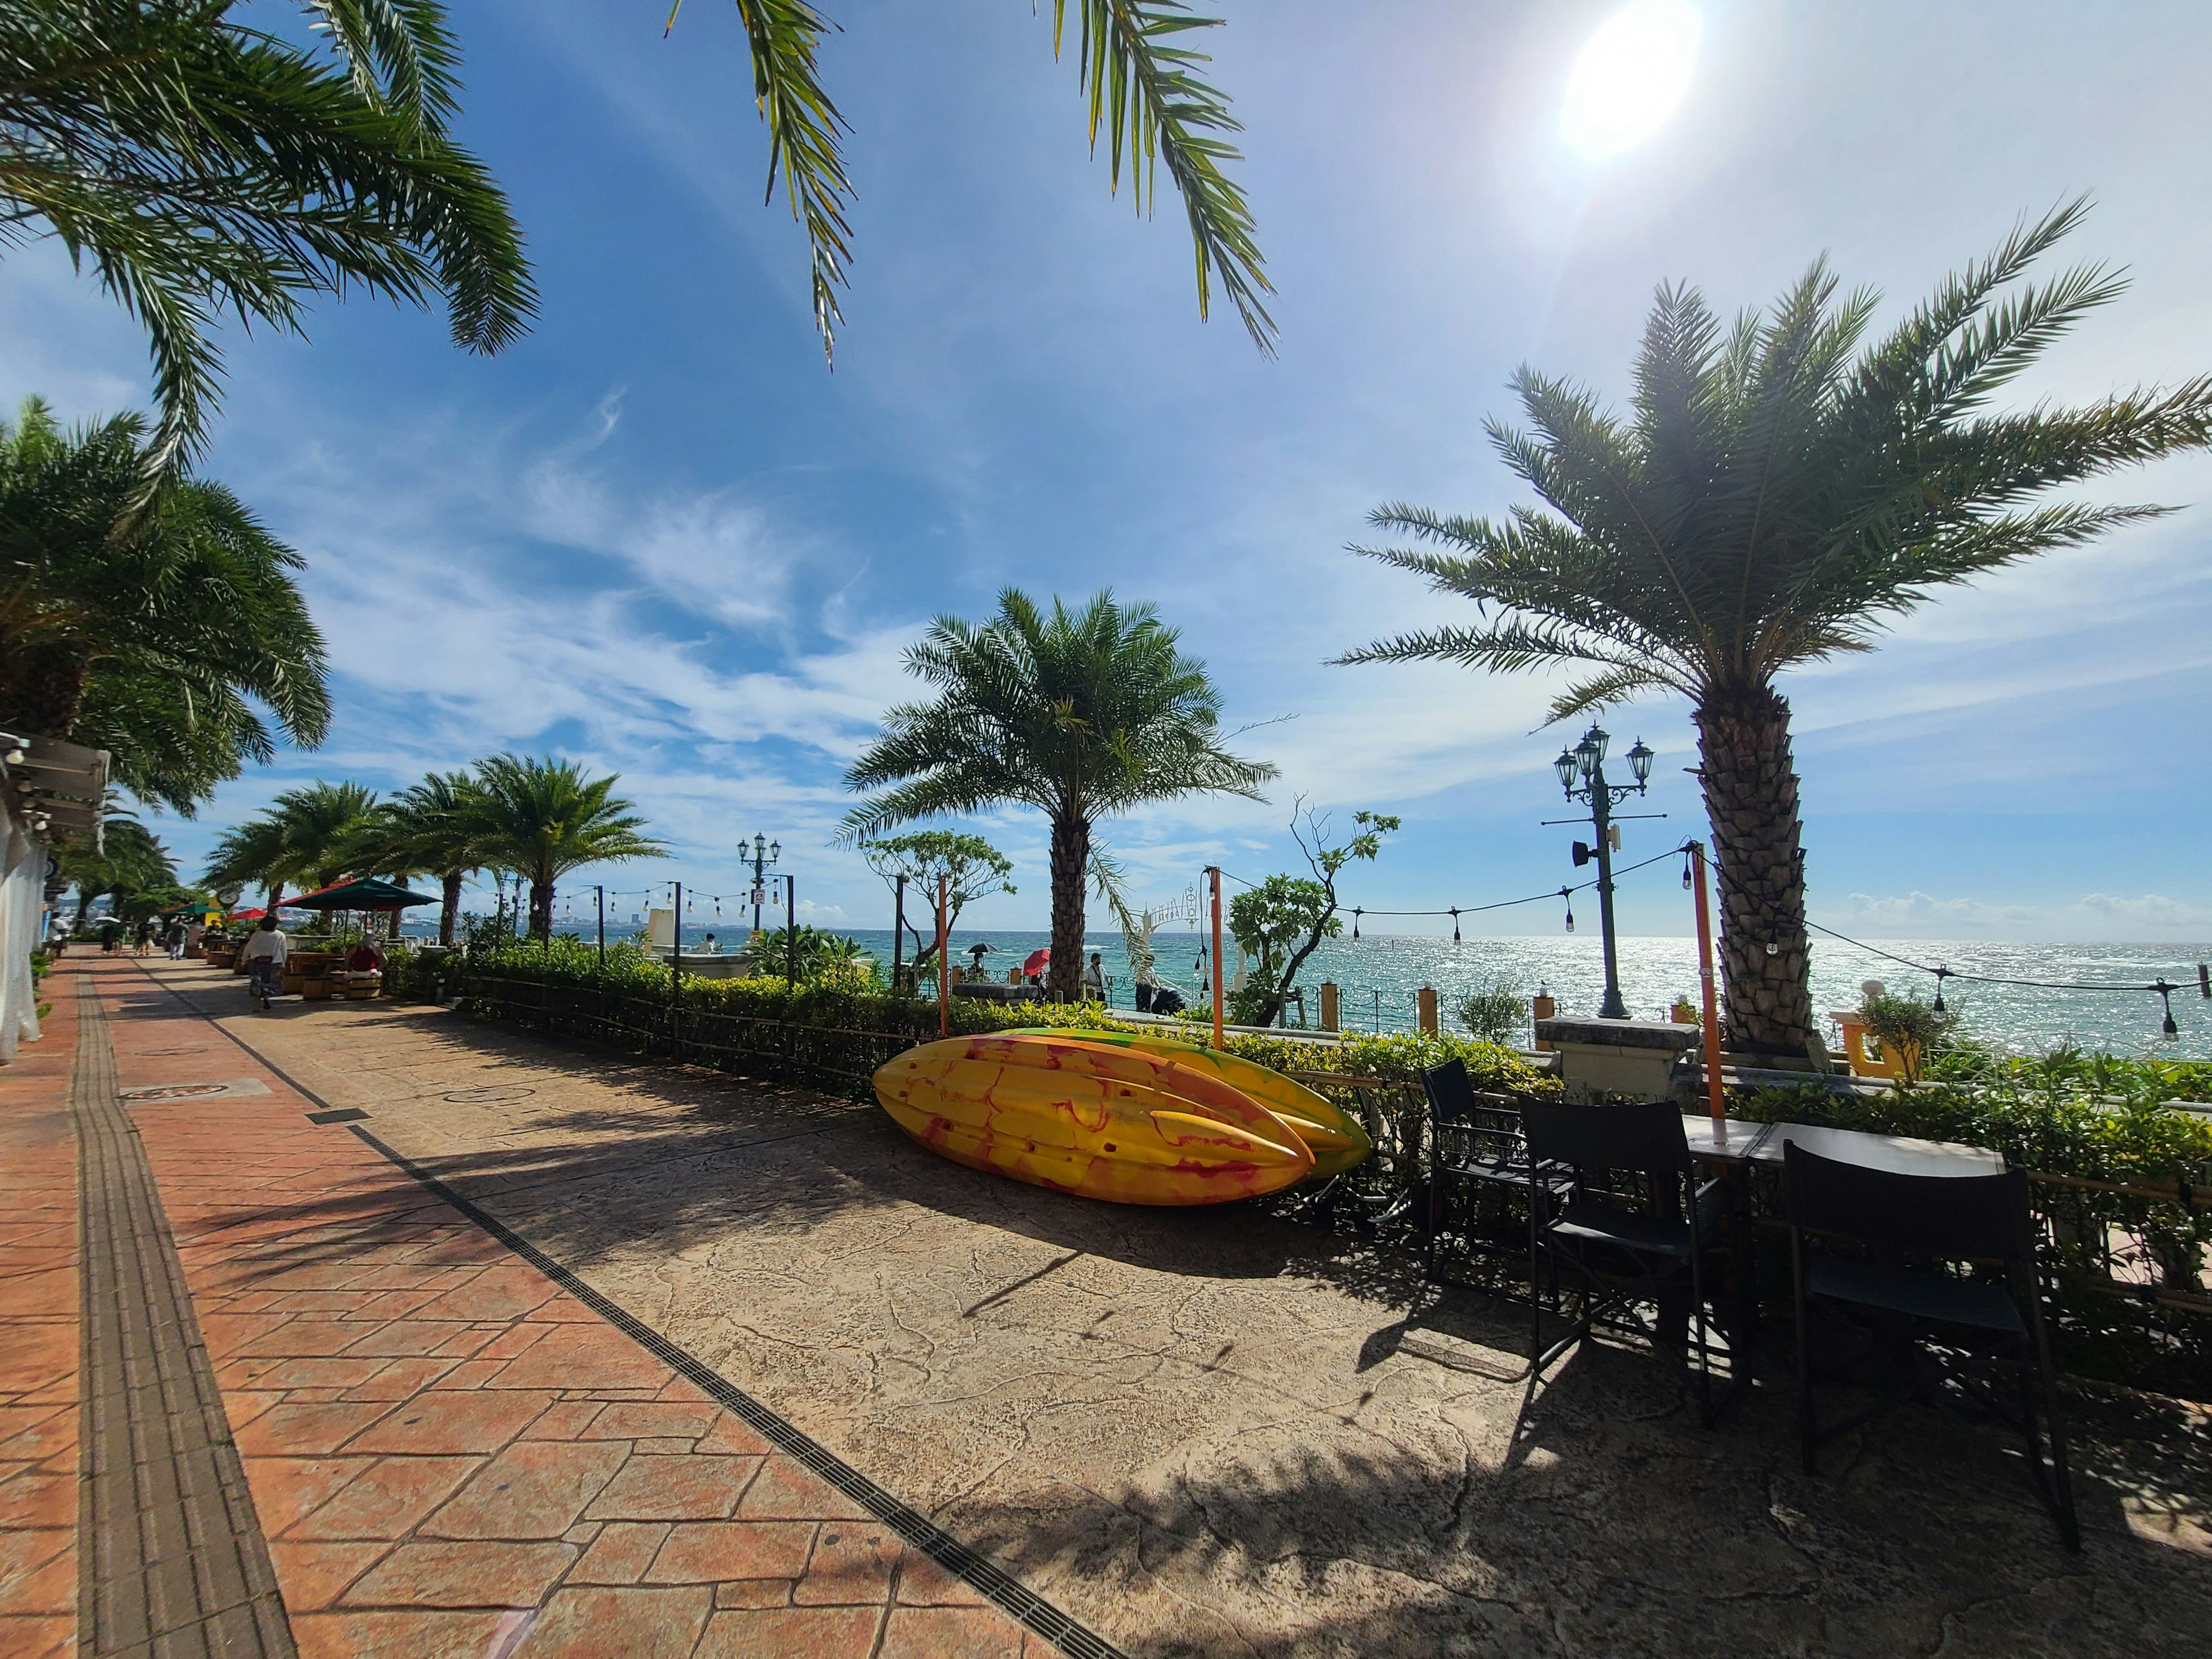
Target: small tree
(971,867)
(1496,1010)
(1912,1031)
(1290,915)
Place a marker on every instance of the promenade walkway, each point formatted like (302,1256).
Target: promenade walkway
(360,1329)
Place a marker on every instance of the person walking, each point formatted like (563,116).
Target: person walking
(111,936)
(267,950)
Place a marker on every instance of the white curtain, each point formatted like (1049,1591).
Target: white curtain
(22,897)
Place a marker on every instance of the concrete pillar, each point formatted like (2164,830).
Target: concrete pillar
(1329,1021)
(1542,1006)
(1428,1005)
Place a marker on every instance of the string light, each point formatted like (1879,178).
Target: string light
(1355,921)
(1455,916)
(1568,894)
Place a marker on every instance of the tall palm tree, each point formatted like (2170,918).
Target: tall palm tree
(150,635)
(1141,83)
(433,826)
(203,165)
(1775,495)
(543,818)
(1080,715)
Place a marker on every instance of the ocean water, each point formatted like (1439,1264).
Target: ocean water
(1380,978)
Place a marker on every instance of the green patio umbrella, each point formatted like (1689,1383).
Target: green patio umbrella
(362,893)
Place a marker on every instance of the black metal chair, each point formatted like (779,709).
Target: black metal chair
(1623,1247)
(1911,1227)
(1478,1147)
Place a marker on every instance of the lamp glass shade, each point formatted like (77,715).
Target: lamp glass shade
(1588,753)
(774,851)
(1564,766)
(1639,762)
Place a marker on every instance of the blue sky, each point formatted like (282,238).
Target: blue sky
(658,536)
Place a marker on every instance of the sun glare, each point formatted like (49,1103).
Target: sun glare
(1631,75)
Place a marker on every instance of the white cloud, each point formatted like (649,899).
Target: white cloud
(2151,913)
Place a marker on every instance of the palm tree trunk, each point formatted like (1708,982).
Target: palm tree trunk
(1751,795)
(1071,866)
(451,914)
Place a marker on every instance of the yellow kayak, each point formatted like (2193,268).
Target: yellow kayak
(1337,1140)
(1102,1121)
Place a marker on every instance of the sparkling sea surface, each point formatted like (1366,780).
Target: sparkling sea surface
(1380,976)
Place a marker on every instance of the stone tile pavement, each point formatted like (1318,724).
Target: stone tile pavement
(446,1451)
(38,1342)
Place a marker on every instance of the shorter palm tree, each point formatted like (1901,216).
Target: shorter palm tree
(309,838)
(433,827)
(130,860)
(541,818)
(1079,714)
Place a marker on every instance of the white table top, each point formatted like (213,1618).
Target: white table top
(1731,1139)
(1899,1154)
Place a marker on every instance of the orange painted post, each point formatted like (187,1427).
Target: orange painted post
(1214,873)
(1715,1102)
(944,961)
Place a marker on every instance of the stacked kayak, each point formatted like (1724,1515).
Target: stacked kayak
(1337,1141)
(1084,1112)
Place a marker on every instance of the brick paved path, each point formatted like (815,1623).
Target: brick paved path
(447,1452)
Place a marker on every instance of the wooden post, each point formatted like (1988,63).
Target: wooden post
(1715,1102)
(1331,1014)
(944,961)
(1428,1005)
(790,930)
(1213,871)
(1540,1007)
(676,975)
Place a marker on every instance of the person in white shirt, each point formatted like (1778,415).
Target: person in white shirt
(267,950)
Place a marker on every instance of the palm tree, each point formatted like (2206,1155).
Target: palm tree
(203,165)
(1776,495)
(151,635)
(130,860)
(1080,714)
(543,819)
(250,854)
(433,826)
(309,838)
(329,830)
(1141,84)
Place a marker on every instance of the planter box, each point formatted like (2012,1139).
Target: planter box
(315,990)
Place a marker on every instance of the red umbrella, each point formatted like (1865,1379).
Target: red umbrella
(247,915)
(1035,962)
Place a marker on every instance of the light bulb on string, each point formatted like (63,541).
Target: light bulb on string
(1455,916)
(1355,921)
(1686,872)
(1568,894)
(1942,974)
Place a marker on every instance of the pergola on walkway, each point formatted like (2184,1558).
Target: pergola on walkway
(468,1344)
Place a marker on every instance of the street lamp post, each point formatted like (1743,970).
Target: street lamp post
(1582,774)
(764,853)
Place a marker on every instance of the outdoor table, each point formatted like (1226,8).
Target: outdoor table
(1738,1146)
(1897,1154)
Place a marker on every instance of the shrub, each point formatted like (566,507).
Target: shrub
(1496,1010)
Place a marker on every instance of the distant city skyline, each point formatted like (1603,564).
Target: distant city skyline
(659,538)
